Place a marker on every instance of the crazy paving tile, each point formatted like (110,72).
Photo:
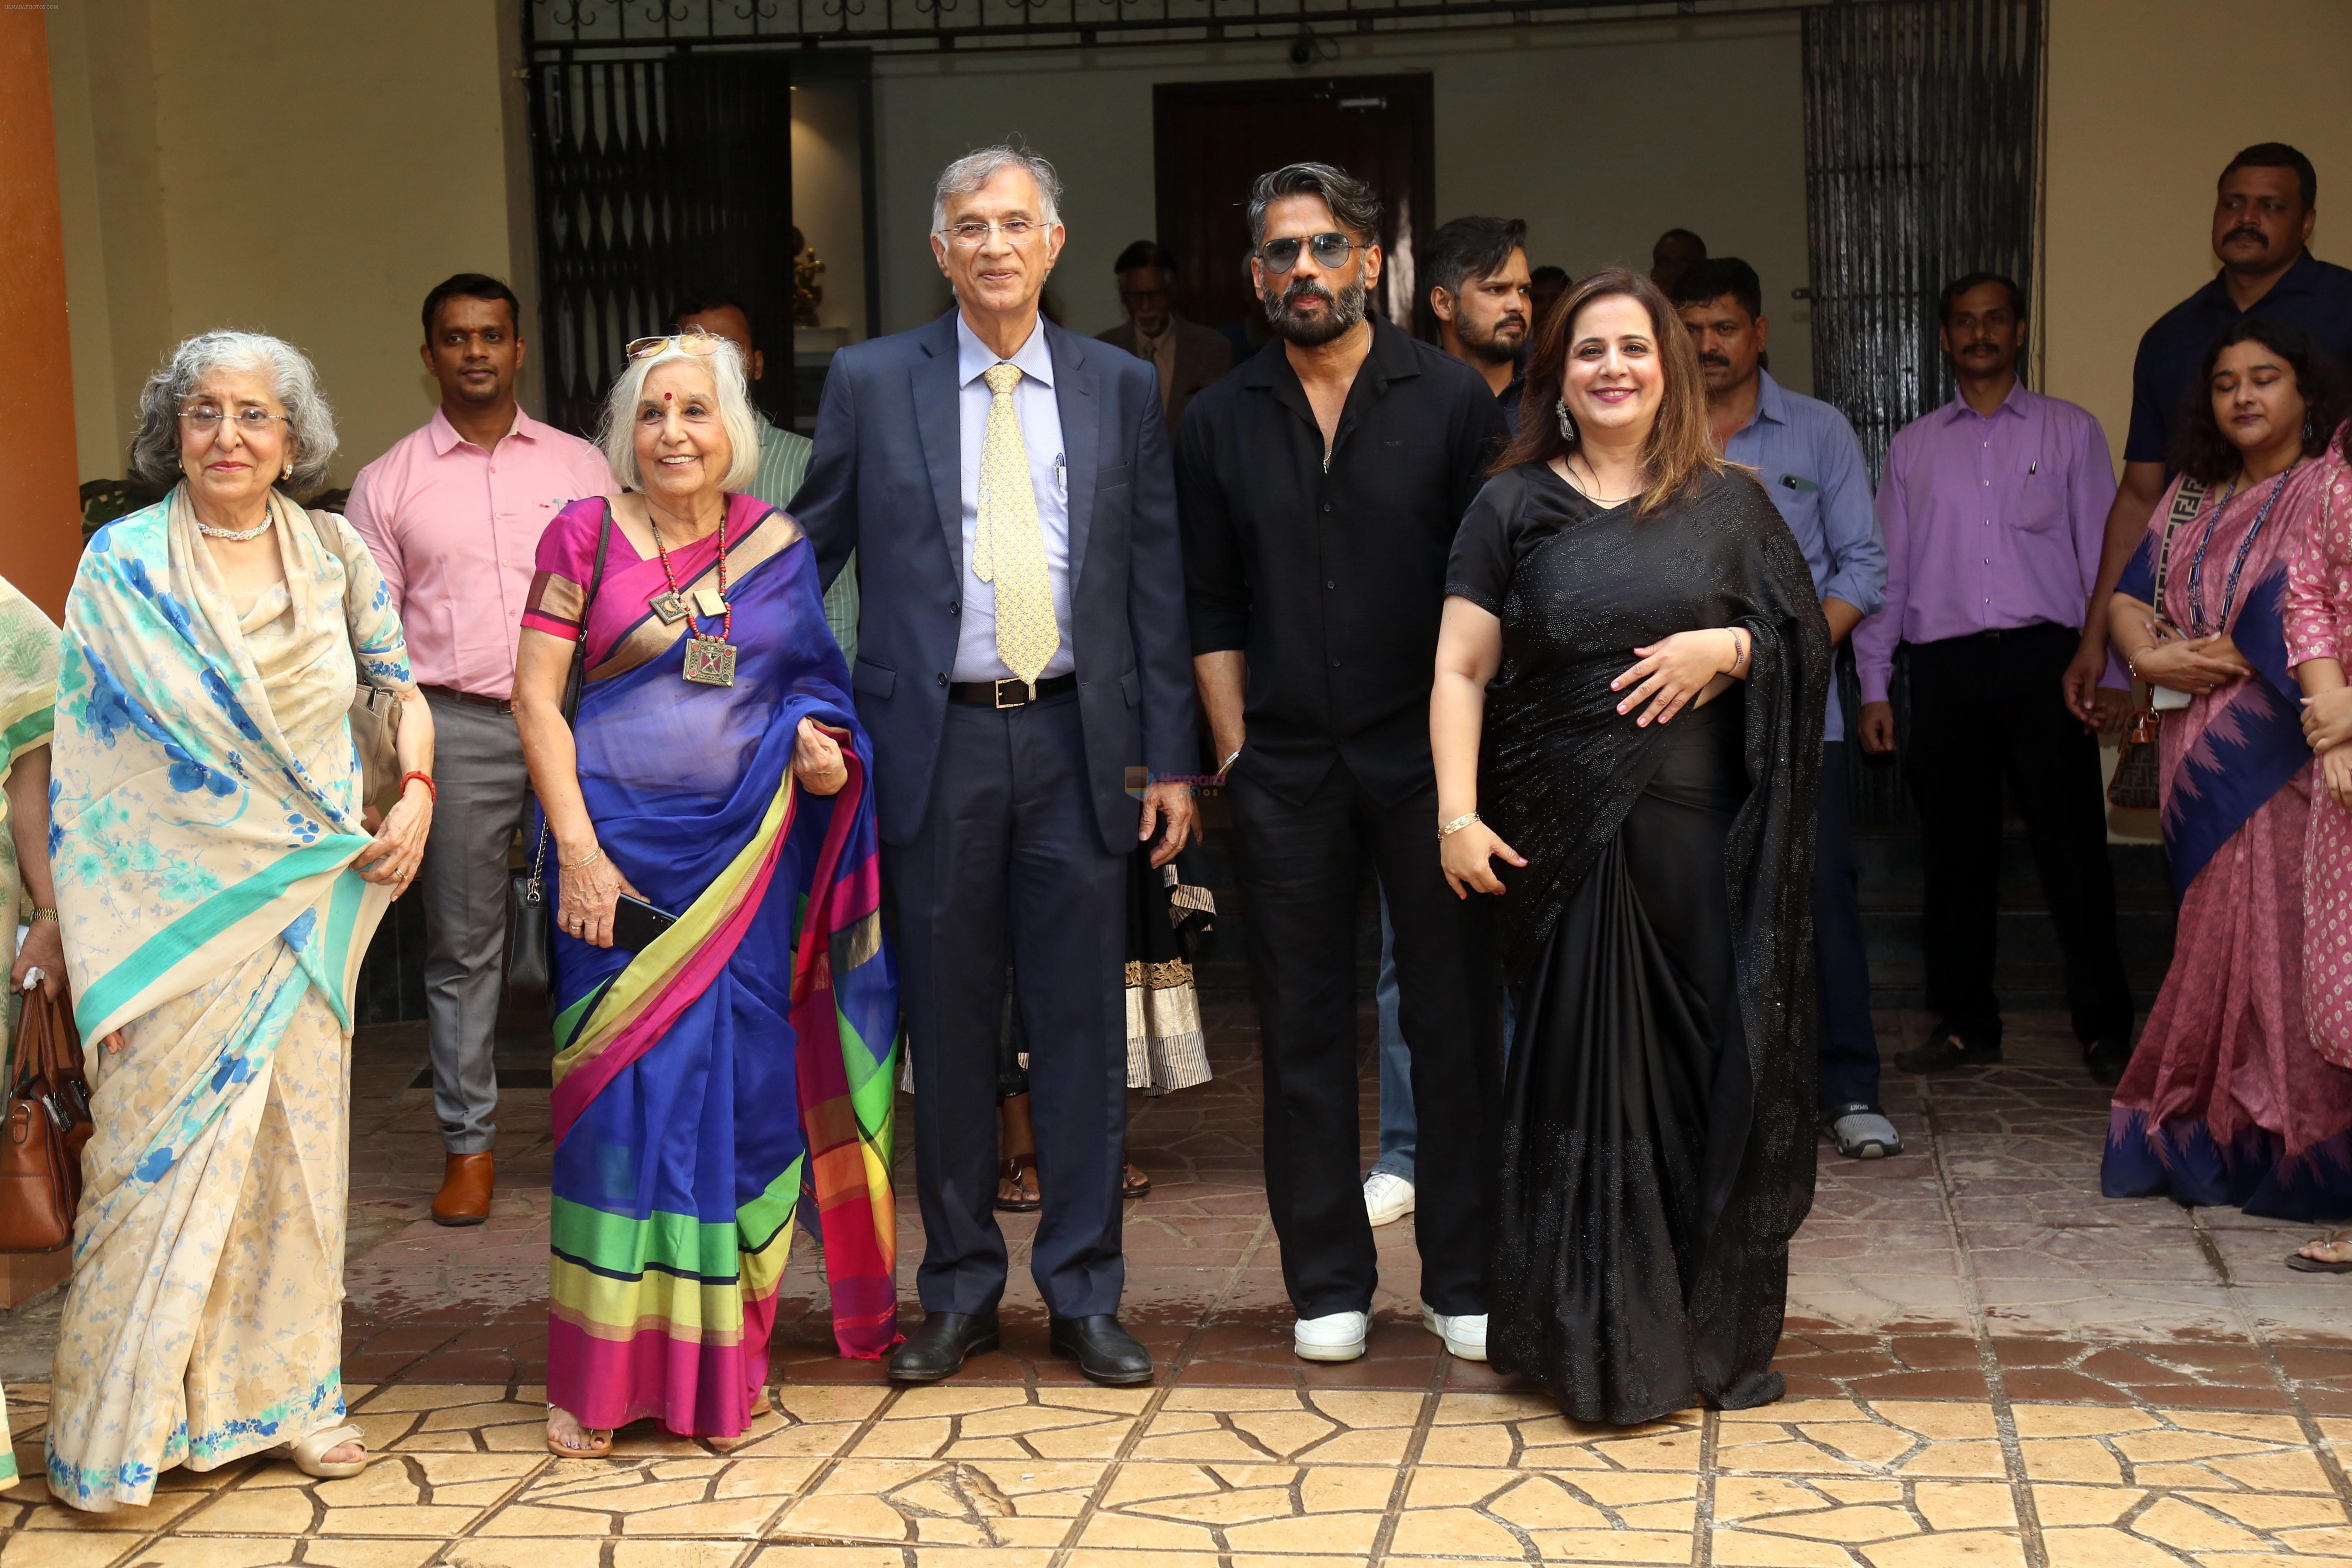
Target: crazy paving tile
(2198,1449)
(1801,1521)
(247,1552)
(1911,1439)
(1241,1507)
(1528,1430)
(400,1494)
(456,1418)
(1598,1515)
(1273,1426)
(669,1497)
(591,1551)
(1080,1422)
(963,1502)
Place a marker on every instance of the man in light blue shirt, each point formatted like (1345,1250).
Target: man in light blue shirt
(1805,456)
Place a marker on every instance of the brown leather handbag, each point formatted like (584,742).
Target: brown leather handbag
(48,1123)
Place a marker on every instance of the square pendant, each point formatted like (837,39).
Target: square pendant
(668,607)
(708,601)
(709,661)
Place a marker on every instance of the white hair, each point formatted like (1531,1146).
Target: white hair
(974,170)
(616,432)
(310,423)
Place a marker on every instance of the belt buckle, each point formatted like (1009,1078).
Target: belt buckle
(1028,693)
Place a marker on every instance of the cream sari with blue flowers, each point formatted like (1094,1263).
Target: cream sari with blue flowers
(204,815)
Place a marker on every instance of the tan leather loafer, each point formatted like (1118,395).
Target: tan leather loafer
(464,1195)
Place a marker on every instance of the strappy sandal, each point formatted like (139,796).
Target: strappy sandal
(1016,1185)
(2301,1265)
(599,1444)
(1132,1184)
(309,1454)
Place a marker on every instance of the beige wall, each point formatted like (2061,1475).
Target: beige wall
(309,171)
(828,198)
(2145,106)
(1560,125)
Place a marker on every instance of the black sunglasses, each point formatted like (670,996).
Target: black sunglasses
(1331,250)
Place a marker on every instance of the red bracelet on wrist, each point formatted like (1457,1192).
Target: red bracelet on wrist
(425,779)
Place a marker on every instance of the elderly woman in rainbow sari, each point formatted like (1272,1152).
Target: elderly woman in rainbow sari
(708,1072)
(217,888)
(2226,1101)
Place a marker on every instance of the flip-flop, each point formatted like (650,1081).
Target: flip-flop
(600,1444)
(1133,1184)
(309,1454)
(2301,1265)
(1010,1175)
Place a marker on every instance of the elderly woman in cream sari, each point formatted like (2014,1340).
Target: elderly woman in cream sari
(217,888)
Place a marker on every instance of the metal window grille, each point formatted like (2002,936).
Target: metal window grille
(1922,164)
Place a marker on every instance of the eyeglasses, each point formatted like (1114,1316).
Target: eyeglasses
(697,343)
(204,419)
(1330,250)
(972,235)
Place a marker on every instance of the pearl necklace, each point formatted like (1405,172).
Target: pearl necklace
(238,535)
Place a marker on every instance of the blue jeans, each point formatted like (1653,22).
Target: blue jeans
(1398,1124)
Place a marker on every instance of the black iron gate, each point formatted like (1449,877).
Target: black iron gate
(1922,163)
(655,178)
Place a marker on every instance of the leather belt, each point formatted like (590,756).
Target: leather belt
(495,704)
(1010,693)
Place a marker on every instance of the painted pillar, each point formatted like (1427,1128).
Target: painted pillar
(40,512)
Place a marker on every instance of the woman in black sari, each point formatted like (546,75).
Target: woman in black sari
(1629,683)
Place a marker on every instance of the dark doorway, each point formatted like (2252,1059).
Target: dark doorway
(1210,138)
(655,178)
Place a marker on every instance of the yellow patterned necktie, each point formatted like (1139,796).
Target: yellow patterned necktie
(1008,546)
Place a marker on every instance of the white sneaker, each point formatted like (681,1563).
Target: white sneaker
(1334,1336)
(1464,1336)
(1387,1197)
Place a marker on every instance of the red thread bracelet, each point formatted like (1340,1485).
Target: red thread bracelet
(426,778)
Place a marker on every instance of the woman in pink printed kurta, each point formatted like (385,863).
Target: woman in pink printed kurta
(2318,627)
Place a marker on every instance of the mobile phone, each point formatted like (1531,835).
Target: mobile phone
(635,923)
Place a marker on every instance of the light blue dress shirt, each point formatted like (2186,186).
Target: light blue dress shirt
(1041,432)
(1806,457)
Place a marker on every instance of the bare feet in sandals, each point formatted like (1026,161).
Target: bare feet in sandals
(2332,1254)
(567,1439)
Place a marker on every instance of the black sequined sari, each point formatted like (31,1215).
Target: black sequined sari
(1658,1144)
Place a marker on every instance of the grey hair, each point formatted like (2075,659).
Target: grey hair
(974,170)
(1353,203)
(616,430)
(293,380)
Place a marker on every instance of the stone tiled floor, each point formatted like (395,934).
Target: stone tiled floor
(1988,1364)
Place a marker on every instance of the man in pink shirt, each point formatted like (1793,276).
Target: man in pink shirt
(453,514)
(1994,507)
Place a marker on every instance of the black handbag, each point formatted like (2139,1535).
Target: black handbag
(529,933)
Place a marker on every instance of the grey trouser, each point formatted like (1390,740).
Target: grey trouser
(478,768)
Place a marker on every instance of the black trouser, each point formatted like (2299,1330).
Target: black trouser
(1302,865)
(1008,867)
(1985,708)
(1849,1044)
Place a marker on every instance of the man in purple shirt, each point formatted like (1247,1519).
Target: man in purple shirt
(452,514)
(1993,507)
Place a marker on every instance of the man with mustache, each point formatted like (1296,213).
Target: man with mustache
(2265,208)
(452,514)
(1993,507)
(1318,487)
(1479,291)
(1805,454)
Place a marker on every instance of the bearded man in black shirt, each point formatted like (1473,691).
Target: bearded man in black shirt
(1319,488)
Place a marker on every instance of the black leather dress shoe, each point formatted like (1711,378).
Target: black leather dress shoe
(938,1348)
(1104,1352)
(2105,1060)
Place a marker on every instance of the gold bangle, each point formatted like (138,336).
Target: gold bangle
(588,859)
(1457,824)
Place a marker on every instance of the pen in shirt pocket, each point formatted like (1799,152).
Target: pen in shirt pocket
(1061,476)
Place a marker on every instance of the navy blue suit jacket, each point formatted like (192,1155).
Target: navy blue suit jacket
(885,481)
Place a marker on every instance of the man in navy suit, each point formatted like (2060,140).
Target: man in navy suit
(1006,487)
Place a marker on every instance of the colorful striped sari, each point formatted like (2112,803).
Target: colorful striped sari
(744,1058)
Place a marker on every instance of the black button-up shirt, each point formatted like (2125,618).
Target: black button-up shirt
(2313,294)
(1331,579)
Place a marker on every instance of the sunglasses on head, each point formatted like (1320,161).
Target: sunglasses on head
(696,342)
(1330,250)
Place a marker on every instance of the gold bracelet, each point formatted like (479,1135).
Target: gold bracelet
(588,859)
(1457,824)
(40,914)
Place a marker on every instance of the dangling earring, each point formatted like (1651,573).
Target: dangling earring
(1567,425)
(2307,430)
